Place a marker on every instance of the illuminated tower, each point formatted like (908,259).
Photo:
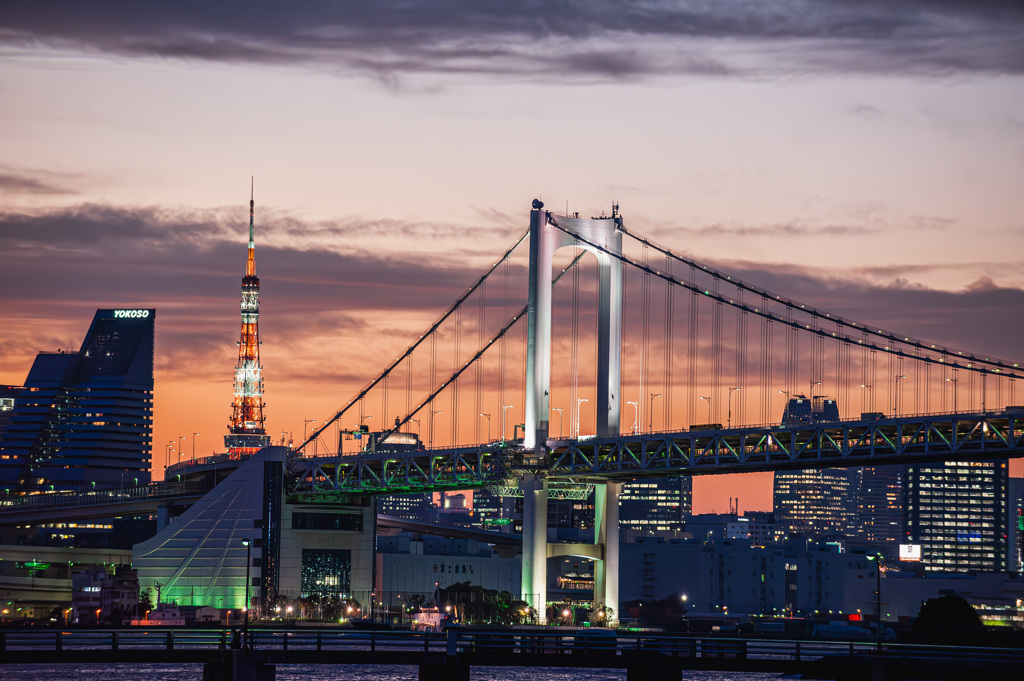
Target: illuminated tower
(246,434)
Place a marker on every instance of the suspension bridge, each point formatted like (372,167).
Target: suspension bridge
(725,345)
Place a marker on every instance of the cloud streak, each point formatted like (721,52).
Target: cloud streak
(560,41)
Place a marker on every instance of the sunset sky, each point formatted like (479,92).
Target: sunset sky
(867,157)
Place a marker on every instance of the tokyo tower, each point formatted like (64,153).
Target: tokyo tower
(246,434)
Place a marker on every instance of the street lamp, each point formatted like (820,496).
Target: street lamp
(636,418)
(709,407)
(503,408)
(248,561)
(559,410)
(871,396)
(194,446)
(650,426)
(181,445)
(896,396)
(731,391)
(954,382)
(488,416)
(810,390)
(579,401)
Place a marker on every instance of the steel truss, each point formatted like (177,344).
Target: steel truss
(572,466)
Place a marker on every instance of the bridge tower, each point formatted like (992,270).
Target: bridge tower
(246,434)
(548,235)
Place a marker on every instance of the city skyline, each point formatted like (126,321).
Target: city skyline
(866,158)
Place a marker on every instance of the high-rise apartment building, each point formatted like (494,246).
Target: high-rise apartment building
(84,420)
(957,512)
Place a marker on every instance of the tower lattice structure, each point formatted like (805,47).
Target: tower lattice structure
(246,433)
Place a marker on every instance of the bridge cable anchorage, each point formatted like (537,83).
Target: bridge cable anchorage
(999,367)
(444,317)
(892,337)
(521,314)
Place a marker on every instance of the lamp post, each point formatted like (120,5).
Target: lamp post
(305,424)
(954,382)
(194,435)
(579,401)
(248,561)
(878,597)
(731,391)
(503,409)
(636,418)
(430,435)
(559,410)
(810,390)
(709,407)
(896,395)
(488,417)
(650,426)
(785,410)
(871,396)
(181,445)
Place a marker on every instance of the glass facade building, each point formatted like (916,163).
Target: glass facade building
(957,512)
(84,420)
(656,505)
(880,503)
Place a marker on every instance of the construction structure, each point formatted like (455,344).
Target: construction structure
(246,434)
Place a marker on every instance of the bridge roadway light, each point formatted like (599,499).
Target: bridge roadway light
(703,397)
(871,396)
(504,407)
(810,391)
(181,445)
(650,426)
(579,401)
(194,435)
(488,417)
(305,424)
(559,410)
(731,391)
(636,418)
(954,382)
(896,396)
(430,435)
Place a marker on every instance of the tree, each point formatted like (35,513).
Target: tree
(948,618)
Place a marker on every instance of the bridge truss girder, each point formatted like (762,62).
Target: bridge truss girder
(850,443)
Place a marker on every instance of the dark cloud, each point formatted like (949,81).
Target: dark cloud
(549,40)
(24,184)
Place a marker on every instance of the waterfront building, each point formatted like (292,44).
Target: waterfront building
(1015,523)
(84,420)
(957,513)
(408,506)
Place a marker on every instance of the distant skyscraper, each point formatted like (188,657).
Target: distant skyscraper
(957,512)
(84,420)
(408,506)
(655,505)
(246,434)
(880,503)
(814,503)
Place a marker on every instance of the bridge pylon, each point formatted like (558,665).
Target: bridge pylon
(545,239)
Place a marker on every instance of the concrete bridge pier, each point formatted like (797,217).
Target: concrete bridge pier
(444,671)
(240,667)
(653,674)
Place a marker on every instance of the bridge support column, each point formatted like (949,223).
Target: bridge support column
(606,533)
(534,586)
(545,240)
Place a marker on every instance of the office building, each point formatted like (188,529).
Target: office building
(957,513)
(880,503)
(84,421)
(656,505)
(813,503)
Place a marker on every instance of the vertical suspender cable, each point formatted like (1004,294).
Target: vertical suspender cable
(669,335)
